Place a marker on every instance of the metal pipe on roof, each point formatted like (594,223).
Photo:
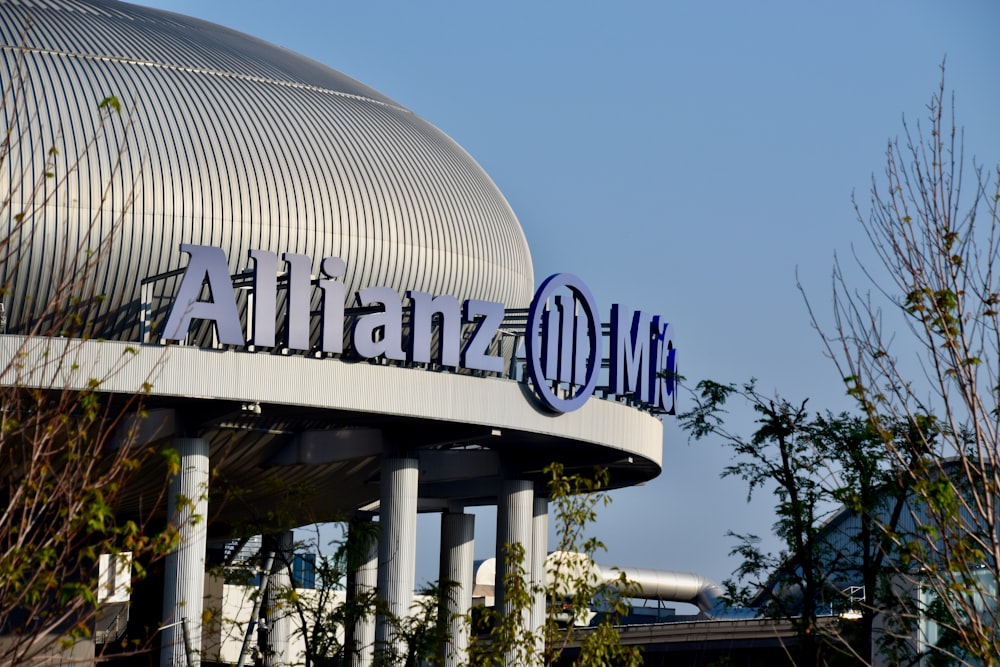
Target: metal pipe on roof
(639,583)
(665,585)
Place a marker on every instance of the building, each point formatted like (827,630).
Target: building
(321,289)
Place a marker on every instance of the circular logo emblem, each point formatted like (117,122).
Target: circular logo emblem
(563,342)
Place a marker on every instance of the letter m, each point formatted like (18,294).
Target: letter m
(630,354)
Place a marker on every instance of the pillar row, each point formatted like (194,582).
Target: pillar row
(362,582)
(456,580)
(515,510)
(184,580)
(277,631)
(396,548)
(539,550)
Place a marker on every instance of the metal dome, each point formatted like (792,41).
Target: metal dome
(229,141)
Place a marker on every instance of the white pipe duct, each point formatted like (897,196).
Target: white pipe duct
(666,585)
(640,583)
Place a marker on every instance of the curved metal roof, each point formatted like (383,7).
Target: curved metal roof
(229,141)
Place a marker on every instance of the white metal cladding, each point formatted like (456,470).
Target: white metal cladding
(226,140)
(325,383)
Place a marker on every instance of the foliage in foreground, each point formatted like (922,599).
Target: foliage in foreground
(830,563)
(66,448)
(324,622)
(924,352)
(571,588)
(918,472)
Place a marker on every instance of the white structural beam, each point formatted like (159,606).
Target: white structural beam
(277,615)
(515,512)
(184,581)
(457,554)
(539,549)
(362,582)
(330,384)
(397,548)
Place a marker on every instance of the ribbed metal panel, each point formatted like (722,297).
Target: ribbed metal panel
(232,142)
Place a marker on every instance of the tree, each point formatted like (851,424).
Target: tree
(814,463)
(323,620)
(571,588)
(66,454)
(575,499)
(779,452)
(917,472)
(322,613)
(921,348)
(875,497)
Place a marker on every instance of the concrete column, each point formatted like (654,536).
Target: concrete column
(277,630)
(397,548)
(362,582)
(539,550)
(184,579)
(457,555)
(515,512)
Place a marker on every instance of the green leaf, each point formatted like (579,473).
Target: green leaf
(111,103)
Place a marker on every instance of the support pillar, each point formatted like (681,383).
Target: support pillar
(362,582)
(539,550)
(397,548)
(277,630)
(457,555)
(515,511)
(184,580)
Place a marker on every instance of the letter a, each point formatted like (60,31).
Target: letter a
(209,263)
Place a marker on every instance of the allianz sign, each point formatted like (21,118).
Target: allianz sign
(563,338)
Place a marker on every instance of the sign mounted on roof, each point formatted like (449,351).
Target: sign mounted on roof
(565,359)
(563,339)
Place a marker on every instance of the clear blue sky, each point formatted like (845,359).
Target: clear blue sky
(685,158)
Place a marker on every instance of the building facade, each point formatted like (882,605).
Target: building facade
(315,287)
